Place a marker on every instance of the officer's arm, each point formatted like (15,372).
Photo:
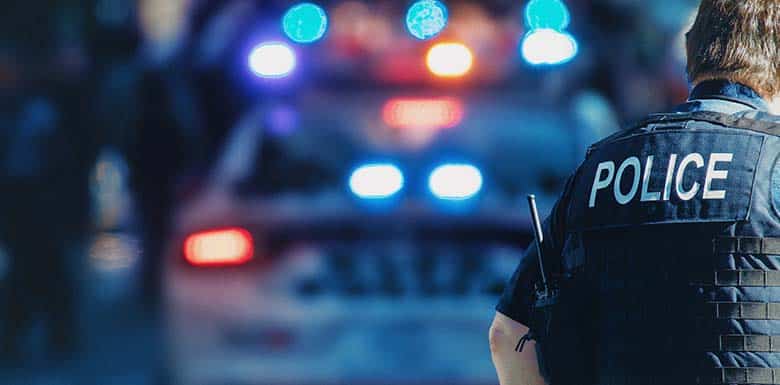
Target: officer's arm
(513,313)
(513,368)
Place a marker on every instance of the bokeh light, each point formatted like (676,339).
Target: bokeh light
(547,14)
(449,60)
(305,23)
(426,18)
(232,246)
(455,181)
(376,181)
(422,113)
(548,47)
(272,60)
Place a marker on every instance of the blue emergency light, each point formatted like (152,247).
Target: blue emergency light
(376,181)
(305,23)
(455,181)
(426,18)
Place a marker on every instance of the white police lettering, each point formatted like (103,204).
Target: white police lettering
(599,183)
(691,158)
(669,176)
(712,173)
(648,196)
(675,175)
(619,196)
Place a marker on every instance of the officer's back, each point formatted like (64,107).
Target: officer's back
(670,235)
(663,255)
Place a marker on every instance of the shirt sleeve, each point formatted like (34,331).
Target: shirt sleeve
(517,300)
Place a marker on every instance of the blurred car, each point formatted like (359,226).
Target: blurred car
(329,246)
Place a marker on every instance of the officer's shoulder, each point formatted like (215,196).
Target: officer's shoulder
(640,125)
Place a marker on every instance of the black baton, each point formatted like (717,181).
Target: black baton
(538,236)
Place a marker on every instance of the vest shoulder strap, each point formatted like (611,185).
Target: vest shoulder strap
(753,121)
(765,125)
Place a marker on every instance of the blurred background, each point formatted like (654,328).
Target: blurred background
(279,192)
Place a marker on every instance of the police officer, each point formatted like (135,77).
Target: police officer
(661,262)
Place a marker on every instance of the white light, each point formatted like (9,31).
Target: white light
(455,181)
(548,46)
(272,60)
(449,60)
(376,181)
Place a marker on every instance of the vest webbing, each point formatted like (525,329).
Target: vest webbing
(747,278)
(740,376)
(740,310)
(745,311)
(748,343)
(747,245)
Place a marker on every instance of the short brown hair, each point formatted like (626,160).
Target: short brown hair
(737,40)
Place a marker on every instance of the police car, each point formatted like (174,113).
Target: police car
(353,245)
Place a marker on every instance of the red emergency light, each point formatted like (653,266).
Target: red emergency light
(423,113)
(224,247)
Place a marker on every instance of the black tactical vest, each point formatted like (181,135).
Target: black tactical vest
(671,262)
